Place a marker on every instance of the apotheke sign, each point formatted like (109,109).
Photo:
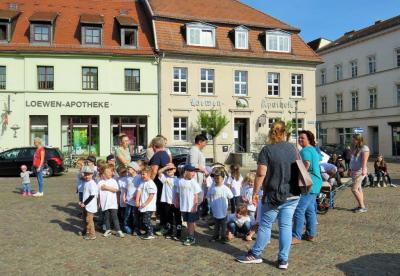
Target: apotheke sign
(67,104)
(211,103)
(268,104)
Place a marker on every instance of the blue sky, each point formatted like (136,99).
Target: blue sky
(329,19)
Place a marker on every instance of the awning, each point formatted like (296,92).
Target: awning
(128,21)
(43,17)
(92,19)
(8,14)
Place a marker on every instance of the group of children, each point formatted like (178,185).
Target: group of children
(127,199)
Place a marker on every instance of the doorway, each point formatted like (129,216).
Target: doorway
(374,132)
(241,134)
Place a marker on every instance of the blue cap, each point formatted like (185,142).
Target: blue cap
(189,168)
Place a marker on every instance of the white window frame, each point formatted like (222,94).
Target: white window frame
(201,28)
(373,98)
(300,126)
(297,87)
(243,33)
(240,82)
(324,105)
(354,68)
(339,103)
(273,84)
(354,101)
(338,72)
(280,37)
(323,76)
(271,121)
(180,129)
(180,80)
(209,83)
(371,64)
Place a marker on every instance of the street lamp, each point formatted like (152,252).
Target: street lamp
(296,104)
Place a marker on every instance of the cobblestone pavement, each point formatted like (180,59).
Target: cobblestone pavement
(38,236)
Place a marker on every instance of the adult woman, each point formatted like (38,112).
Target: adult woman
(38,162)
(276,172)
(306,208)
(122,153)
(381,172)
(358,169)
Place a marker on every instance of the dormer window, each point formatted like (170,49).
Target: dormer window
(91,29)
(129,31)
(6,24)
(278,41)
(241,37)
(42,27)
(200,34)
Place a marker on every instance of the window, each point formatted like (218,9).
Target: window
(89,78)
(41,33)
(271,121)
(129,37)
(372,98)
(45,77)
(273,84)
(324,105)
(398,57)
(132,80)
(4,32)
(207,81)
(3,77)
(180,80)
(39,128)
(297,85)
(354,101)
(300,126)
(345,135)
(398,94)
(339,103)
(241,38)
(323,76)
(354,69)
(338,70)
(92,35)
(371,64)
(200,35)
(241,83)
(278,41)
(323,136)
(180,128)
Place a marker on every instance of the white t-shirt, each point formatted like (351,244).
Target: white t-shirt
(218,198)
(147,188)
(122,182)
(247,193)
(131,188)
(209,181)
(79,181)
(238,222)
(90,189)
(186,190)
(168,194)
(236,185)
(108,200)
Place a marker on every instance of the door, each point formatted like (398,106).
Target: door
(240,134)
(375,140)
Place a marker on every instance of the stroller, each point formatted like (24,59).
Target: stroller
(326,198)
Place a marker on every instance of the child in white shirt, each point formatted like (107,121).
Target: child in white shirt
(239,223)
(108,201)
(79,178)
(247,193)
(122,180)
(146,197)
(234,182)
(26,182)
(89,202)
(187,200)
(129,197)
(218,196)
(168,210)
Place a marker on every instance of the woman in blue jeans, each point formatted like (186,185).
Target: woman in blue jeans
(276,172)
(306,209)
(38,162)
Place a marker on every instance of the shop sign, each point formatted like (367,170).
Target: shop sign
(68,104)
(207,103)
(268,104)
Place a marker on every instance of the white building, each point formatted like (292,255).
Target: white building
(358,86)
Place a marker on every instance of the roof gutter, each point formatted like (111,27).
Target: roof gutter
(153,24)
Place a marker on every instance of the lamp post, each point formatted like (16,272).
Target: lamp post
(296,104)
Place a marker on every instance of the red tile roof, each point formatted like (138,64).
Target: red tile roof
(8,14)
(43,16)
(124,20)
(67,37)
(92,18)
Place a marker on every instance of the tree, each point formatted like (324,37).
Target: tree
(212,122)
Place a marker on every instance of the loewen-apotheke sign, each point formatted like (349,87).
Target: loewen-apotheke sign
(68,104)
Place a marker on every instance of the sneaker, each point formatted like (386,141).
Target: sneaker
(169,235)
(88,238)
(128,230)
(24,194)
(309,238)
(120,234)
(361,210)
(147,237)
(29,194)
(82,233)
(249,258)
(283,264)
(355,209)
(189,241)
(295,241)
(38,194)
(107,233)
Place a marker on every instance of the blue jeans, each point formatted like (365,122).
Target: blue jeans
(234,229)
(39,176)
(269,213)
(128,218)
(26,187)
(305,211)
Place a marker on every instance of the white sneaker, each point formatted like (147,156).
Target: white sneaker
(120,234)
(107,233)
(38,194)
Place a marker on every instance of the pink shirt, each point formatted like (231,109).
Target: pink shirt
(37,161)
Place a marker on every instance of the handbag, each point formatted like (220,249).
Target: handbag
(304,178)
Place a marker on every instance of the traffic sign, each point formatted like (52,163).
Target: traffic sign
(358,130)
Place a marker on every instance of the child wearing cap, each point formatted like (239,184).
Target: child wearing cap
(218,196)
(88,203)
(169,213)
(26,182)
(131,212)
(187,199)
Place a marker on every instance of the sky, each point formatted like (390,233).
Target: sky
(327,18)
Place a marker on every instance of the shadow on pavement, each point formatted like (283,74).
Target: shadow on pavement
(71,209)
(72,225)
(373,264)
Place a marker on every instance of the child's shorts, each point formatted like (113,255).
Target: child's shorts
(190,217)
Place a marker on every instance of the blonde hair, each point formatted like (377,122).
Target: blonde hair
(251,176)
(242,210)
(277,132)
(158,142)
(359,141)
(146,169)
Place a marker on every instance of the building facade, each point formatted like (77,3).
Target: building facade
(228,56)
(77,78)
(358,88)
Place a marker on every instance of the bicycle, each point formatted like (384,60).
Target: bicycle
(71,158)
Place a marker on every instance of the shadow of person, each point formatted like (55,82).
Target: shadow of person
(71,209)
(72,225)
(372,264)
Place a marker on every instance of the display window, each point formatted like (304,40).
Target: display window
(135,127)
(39,128)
